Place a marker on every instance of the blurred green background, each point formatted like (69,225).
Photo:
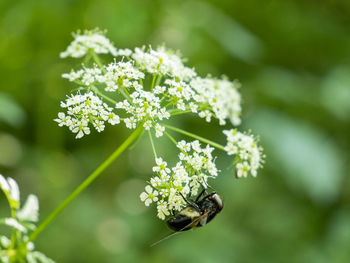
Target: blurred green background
(293,59)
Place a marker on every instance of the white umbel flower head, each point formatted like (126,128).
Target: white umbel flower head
(249,157)
(162,61)
(94,40)
(223,99)
(85,109)
(195,166)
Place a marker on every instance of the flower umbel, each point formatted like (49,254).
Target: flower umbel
(145,88)
(249,157)
(22,222)
(193,169)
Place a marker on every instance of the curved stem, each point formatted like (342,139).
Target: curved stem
(152,143)
(104,96)
(216,145)
(86,183)
(180,112)
(98,61)
(171,138)
(153,81)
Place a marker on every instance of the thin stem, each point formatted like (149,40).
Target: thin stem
(216,145)
(128,98)
(14,231)
(180,112)
(126,91)
(158,80)
(104,96)
(153,81)
(98,61)
(152,143)
(86,183)
(171,138)
(174,141)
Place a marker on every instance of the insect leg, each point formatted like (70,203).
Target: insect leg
(201,193)
(190,203)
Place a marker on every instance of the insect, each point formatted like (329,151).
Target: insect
(198,213)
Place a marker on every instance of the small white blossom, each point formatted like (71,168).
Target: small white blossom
(184,146)
(30,209)
(162,208)
(147,125)
(15,224)
(149,195)
(161,167)
(159,130)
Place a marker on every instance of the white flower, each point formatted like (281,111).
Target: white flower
(242,169)
(162,208)
(89,40)
(85,109)
(159,130)
(162,61)
(10,188)
(99,125)
(221,95)
(147,125)
(184,146)
(249,156)
(130,123)
(4,185)
(15,224)
(81,128)
(63,120)
(149,195)
(161,167)
(30,209)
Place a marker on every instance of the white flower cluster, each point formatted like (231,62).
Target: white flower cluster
(248,157)
(149,84)
(113,76)
(85,109)
(145,108)
(93,40)
(196,165)
(218,98)
(22,220)
(162,61)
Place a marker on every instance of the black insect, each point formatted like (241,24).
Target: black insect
(198,213)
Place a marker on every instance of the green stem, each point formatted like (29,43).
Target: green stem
(98,61)
(174,141)
(152,143)
(14,231)
(125,95)
(216,145)
(171,138)
(180,112)
(86,183)
(153,81)
(104,96)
